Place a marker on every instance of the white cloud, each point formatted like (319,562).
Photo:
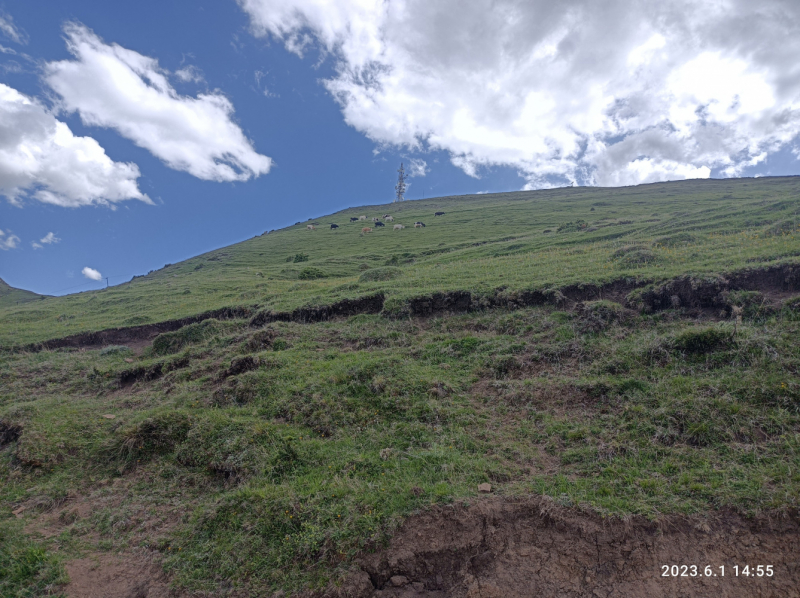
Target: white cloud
(111,86)
(41,158)
(91,273)
(607,93)
(8,241)
(35,245)
(11,31)
(417,167)
(190,74)
(49,238)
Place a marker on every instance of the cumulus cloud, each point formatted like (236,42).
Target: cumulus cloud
(190,74)
(7,240)
(606,93)
(111,86)
(417,167)
(49,239)
(11,31)
(41,158)
(91,273)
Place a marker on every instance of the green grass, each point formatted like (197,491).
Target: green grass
(282,452)
(27,569)
(10,296)
(650,231)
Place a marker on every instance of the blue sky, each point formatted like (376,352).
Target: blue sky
(325,100)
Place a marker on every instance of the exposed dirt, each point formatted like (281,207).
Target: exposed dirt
(151,372)
(116,576)
(775,282)
(134,334)
(9,432)
(504,548)
(371,304)
(131,574)
(239,365)
(710,292)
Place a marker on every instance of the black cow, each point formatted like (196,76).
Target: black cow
(334,226)
(379,223)
(419,225)
(439,214)
(354,220)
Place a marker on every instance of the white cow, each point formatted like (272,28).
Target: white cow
(398,227)
(311,227)
(362,217)
(389,219)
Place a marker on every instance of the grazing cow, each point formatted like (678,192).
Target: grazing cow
(362,217)
(439,214)
(419,225)
(389,219)
(354,220)
(311,227)
(386,216)
(334,226)
(376,219)
(398,227)
(379,223)
(366,229)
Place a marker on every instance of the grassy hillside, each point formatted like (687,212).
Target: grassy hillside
(250,454)
(522,240)
(11,297)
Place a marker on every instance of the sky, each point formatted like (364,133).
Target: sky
(138,134)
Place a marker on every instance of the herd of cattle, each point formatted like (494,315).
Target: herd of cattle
(377,223)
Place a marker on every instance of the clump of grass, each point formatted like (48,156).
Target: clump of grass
(701,340)
(634,256)
(571,227)
(598,315)
(750,304)
(311,273)
(172,342)
(237,449)
(790,309)
(158,434)
(261,340)
(27,568)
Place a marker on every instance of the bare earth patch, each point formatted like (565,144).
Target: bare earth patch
(506,548)
(116,576)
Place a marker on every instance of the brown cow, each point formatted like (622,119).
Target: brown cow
(366,229)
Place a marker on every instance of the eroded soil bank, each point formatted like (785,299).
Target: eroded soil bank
(501,548)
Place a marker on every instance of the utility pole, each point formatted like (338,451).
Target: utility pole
(106,281)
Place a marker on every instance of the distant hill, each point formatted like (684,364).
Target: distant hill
(507,243)
(11,296)
(323,409)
